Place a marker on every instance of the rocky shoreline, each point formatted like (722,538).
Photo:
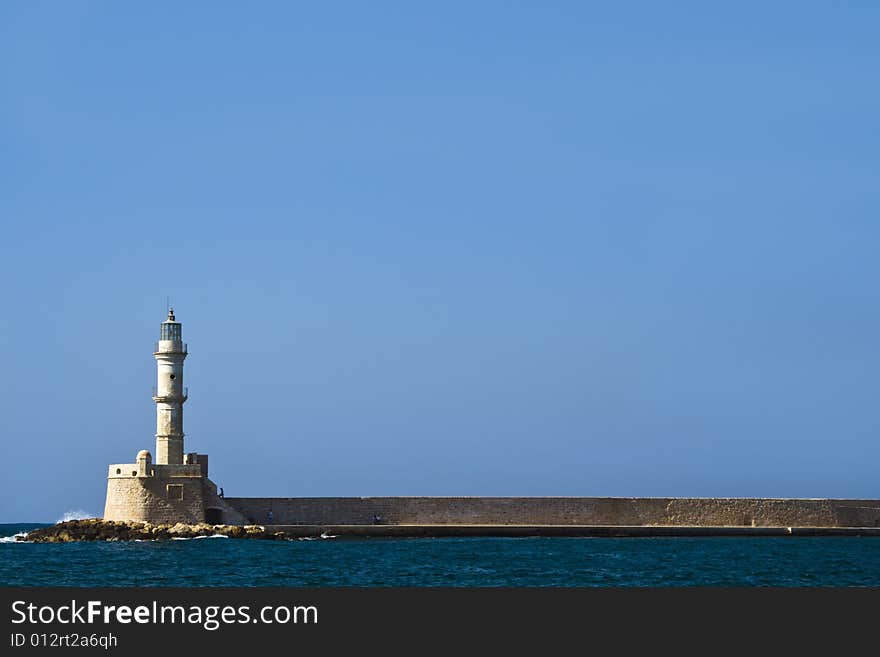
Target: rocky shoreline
(95,529)
(100,530)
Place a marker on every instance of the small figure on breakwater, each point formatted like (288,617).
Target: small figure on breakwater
(269,517)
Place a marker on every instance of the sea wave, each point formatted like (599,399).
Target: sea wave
(313,538)
(193,538)
(14,538)
(75,514)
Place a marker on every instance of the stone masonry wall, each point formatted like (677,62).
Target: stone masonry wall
(146,499)
(750,512)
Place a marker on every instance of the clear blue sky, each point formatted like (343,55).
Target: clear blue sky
(465,248)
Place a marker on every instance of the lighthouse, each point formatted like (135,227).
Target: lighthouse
(169,393)
(175,487)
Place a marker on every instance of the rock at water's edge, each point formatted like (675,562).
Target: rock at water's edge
(95,529)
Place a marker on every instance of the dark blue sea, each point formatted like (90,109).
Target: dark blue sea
(800,561)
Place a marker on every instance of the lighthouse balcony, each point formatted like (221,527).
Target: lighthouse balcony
(170,347)
(170,395)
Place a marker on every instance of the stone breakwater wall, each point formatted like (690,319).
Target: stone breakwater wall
(605,511)
(110,530)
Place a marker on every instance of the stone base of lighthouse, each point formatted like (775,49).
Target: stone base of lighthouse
(166,494)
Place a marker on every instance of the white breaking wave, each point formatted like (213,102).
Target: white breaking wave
(76,514)
(14,538)
(192,538)
(314,538)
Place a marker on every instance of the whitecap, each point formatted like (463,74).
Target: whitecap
(14,538)
(75,514)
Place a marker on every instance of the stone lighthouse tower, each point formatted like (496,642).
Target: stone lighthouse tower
(170,393)
(175,487)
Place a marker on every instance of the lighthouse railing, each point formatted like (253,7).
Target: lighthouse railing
(180,348)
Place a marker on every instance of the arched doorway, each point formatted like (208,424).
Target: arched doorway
(214,516)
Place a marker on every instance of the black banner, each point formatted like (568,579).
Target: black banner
(158,621)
